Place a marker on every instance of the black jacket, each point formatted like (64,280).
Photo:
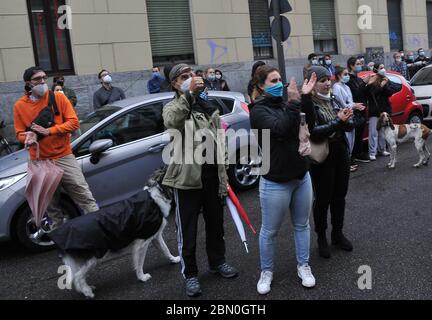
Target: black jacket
(357,86)
(319,128)
(283,121)
(377,98)
(111,228)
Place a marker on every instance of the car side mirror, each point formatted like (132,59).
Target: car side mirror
(98,147)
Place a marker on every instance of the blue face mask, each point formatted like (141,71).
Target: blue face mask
(156,75)
(211,77)
(346,79)
(275,90)
(358,68)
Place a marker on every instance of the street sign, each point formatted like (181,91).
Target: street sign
(284,7)
(286,29)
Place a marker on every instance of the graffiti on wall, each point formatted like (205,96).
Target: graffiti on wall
(214,48)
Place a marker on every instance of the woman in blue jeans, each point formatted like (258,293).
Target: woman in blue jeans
(287,187)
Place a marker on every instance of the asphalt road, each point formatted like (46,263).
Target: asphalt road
(388,219)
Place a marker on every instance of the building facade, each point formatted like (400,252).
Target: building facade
(129,37)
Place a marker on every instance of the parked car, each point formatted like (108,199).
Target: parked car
(405,107)
(120,145)
(422,85)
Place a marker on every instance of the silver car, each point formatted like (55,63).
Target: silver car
(118,147)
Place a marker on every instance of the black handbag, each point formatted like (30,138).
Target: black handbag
(45,118)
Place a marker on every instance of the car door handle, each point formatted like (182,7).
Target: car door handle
(157,147)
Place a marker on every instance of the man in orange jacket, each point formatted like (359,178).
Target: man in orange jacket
(54,140)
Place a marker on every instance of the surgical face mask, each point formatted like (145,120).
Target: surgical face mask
(398,59)
(156,74)
(107,79)
(382,72)
(346,79)
(211,77)
(411,57)
(328,62)
(358,69)
(421,53)
(314,62)
(185,87)
(39,90)
(402,55)
(371,68)
(275,90)
(218,76)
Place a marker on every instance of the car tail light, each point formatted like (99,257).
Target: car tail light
(245,106)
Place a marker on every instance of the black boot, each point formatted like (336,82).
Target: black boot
(323,247)
(339,240)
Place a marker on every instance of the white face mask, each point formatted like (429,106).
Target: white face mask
(107,79)
(186,85)
(314,62)
(218,76)
(328,62)
(399,60)
(39,90)
(382,72)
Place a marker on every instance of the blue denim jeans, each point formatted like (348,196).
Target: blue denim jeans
(276,199)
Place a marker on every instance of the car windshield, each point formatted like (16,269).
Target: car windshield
(422,77)
(94,118)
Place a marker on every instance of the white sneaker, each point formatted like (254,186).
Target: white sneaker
(384,154)
(372,158)
(264,283)
(305,273)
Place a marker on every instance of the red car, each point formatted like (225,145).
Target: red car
(405,108)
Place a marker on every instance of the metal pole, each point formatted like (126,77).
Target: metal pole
(278,38)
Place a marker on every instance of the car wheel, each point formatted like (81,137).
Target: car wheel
(241,175)
(25,228)
(415,117)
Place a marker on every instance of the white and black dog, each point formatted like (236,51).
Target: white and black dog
(395,134)
(128,225)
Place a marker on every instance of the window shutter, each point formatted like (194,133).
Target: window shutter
(323,19)
(429,19)
(395,24)
(260,26)
(170,27)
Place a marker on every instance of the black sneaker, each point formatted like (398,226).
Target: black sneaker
(225,270)
(323,247)
(364,158)
(339,241)
(193,288)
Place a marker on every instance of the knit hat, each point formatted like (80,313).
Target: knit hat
(28,74)
(320,72)
(177,70)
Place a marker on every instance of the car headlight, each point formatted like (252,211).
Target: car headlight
(10,181)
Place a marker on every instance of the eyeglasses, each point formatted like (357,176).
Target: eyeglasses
(186,76)
(40,78)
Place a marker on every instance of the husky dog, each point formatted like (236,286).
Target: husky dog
(129,225)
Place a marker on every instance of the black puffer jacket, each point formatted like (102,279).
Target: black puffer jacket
(283,121)
(321,129)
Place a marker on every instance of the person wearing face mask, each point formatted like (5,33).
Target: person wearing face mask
(410,61)
(313,61)
(154,84)
(328,64)
(377,93)
(53,139)
(400,66)
(357,86)
(362,60)
(286,188)
(222,82)
(107,93)
(344,96)
(328,120)
(70,93)
(211,82)
(198,187)
(422,58)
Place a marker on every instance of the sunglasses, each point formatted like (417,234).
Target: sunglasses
(38,79)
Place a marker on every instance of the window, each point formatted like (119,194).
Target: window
(324,26)
(170,31)
(137,124)
(422,77)
(261,31)
(51,44)
(395,24)
(220,104)
(429,19)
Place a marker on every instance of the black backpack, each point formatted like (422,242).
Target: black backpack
(46,117)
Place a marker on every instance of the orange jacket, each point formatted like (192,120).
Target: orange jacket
(57,144)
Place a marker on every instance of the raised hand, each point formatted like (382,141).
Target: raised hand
(293,93)
(308,85)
